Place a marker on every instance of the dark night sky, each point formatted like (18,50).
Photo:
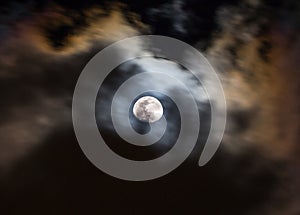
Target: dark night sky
(253,45)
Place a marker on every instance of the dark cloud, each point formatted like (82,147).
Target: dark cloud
(254,46)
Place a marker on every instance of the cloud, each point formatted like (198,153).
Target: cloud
(255,52)
(256,59)
(37,77)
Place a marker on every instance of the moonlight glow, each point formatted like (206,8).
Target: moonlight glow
(148,109)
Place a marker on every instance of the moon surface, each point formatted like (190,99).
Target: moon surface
(148,109)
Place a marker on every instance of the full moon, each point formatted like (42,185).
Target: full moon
(148,109)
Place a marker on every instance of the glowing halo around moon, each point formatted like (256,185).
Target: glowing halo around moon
(148,109)
(94,73)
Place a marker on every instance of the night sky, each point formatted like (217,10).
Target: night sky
(254,46)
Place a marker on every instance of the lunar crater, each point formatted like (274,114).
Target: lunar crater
(148,109)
